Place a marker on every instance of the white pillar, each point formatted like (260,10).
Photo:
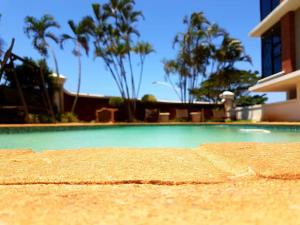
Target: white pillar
(228,99)
(58,87)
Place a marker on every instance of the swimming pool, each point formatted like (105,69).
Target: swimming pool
(54,138)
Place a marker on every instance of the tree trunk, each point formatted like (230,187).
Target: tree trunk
(60,106)
(131,116)
(49,104)
(21,94)
(78,85)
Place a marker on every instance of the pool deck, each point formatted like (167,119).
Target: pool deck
(241,183)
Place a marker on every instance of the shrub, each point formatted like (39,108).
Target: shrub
(68,118)
(149,98)
(116,101)
(44,118)
(33,118)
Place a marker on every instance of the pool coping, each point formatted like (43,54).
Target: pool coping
(41,125)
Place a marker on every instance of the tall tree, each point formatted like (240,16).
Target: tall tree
(230,52)
(39,31)
(234,80)
(225,76)
(142,49)
(116,42)
(80,39)
(195,47)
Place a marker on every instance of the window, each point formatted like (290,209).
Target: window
(271,52)
(292,94)
(267,6)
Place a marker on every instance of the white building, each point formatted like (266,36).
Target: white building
(279,31)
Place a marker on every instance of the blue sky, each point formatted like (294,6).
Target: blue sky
(163,19)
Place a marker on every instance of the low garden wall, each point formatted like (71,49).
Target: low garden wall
(287,111)
(87,106)
(253,113)
(282,111)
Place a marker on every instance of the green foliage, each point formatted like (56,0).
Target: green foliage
(44,118)
(80,39)
(251,100)
(79,36)
(149,98)
(116,101)
(29,77)
(116,39)
(234,80)
(33,118)
(38,30)
(195,49)
(28,74)
(229,53)
(180,120)
(69,118)
(206,51)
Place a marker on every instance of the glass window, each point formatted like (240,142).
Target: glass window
(271,52)
(277,64)
(266,56)
(275,3)
(267,6)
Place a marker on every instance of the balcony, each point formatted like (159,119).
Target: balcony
(279,82)
(274,17)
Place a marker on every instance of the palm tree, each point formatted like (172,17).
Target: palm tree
(195,47)
(38,30)
(80,39)
(115,39)
(230,52)
(142,49)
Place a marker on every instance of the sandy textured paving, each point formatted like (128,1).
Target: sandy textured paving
(249,202)
(215,184)
(108,166)
(266,160)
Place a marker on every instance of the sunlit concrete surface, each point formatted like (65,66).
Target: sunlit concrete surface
(243,183)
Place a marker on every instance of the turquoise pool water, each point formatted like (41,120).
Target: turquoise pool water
(40,139)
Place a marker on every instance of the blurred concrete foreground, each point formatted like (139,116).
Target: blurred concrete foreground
(214,184)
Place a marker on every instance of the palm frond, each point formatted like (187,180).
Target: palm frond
(72,26)
(84,43)
(97,11)
(64,38)
(38,30)
(53,37)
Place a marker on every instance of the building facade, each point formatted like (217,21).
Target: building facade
(279,31)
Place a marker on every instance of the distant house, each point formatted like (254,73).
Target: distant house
(279,31)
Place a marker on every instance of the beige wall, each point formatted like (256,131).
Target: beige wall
(253,113)
(283,111)
(297,31)
(288,111)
